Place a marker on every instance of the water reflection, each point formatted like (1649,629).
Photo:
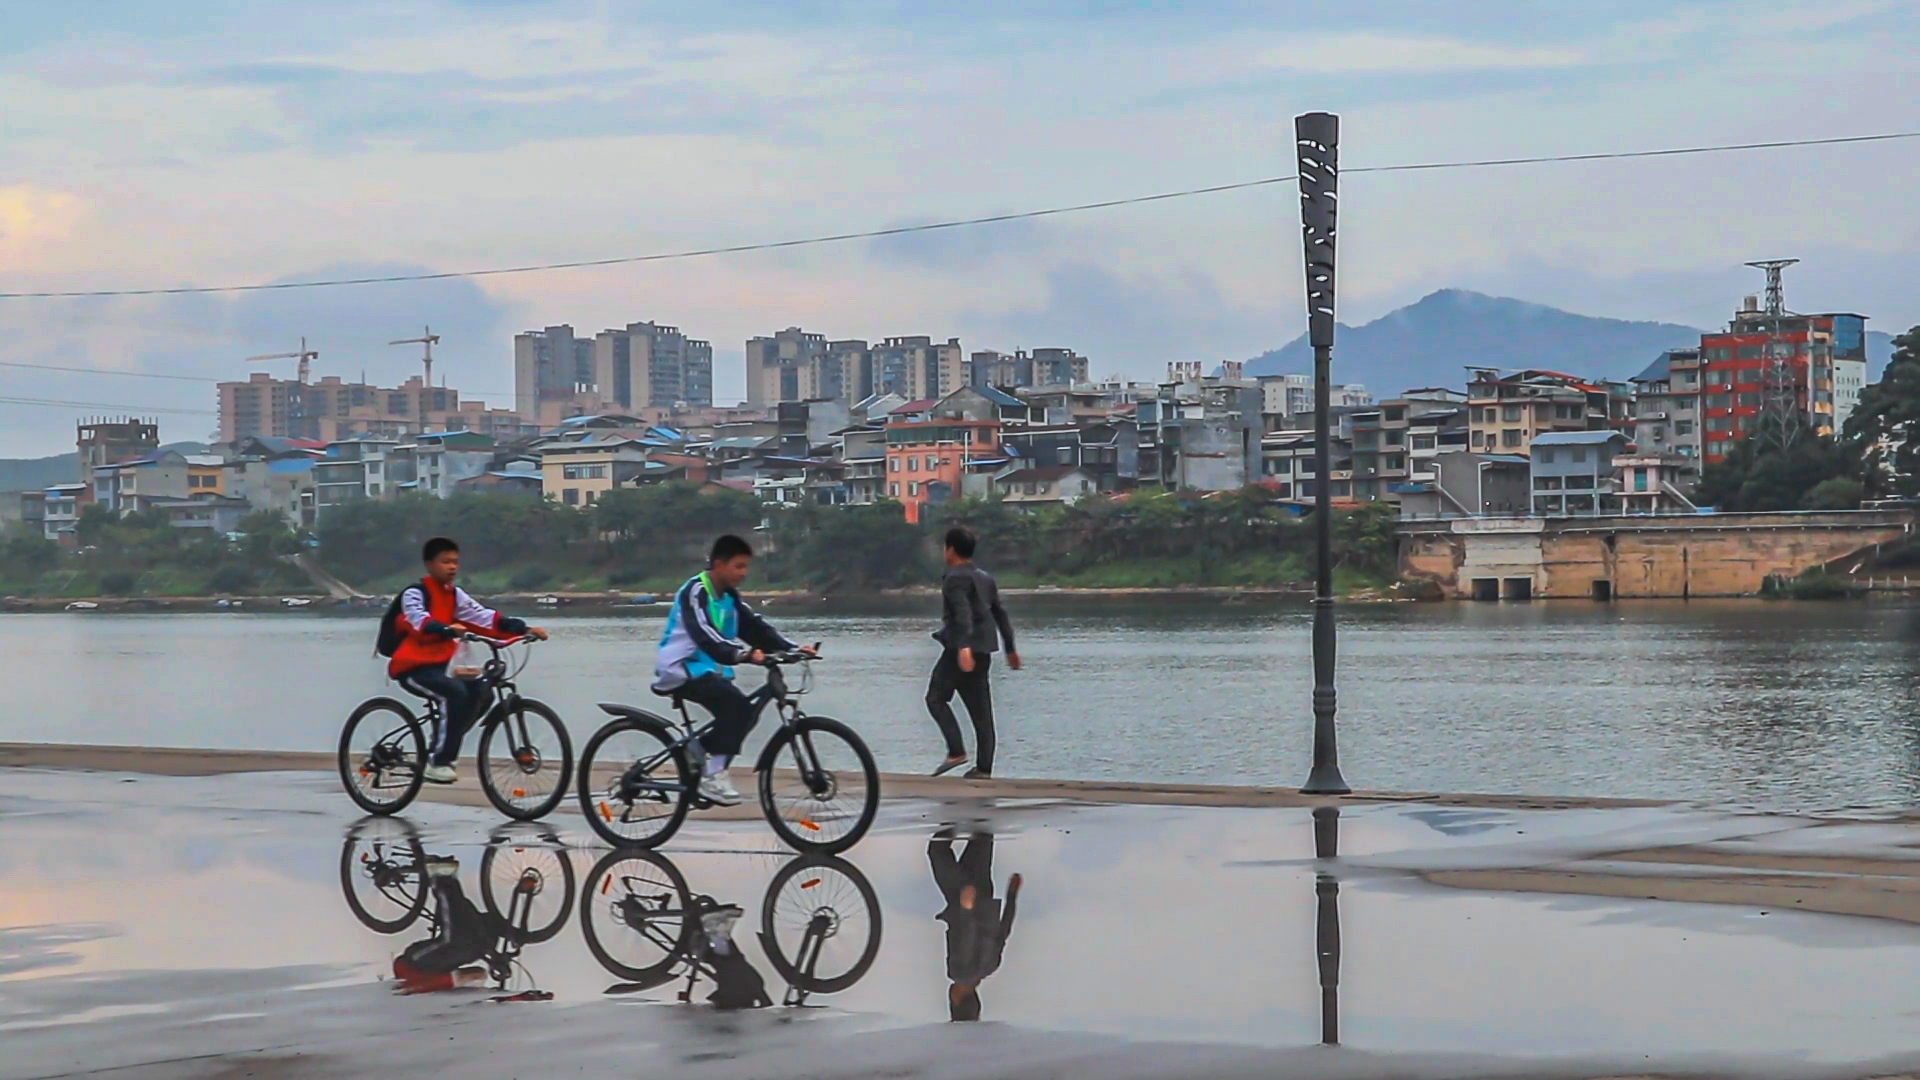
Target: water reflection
(526,883)
(1326,921)
(820,929)
(977,926)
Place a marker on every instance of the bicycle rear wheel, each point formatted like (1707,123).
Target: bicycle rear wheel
(526,760)
(636,916)
(820,924)
(635,782)
(383,756)
(819,788)
(528,886)
(383,874)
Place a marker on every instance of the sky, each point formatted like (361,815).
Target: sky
(216,142)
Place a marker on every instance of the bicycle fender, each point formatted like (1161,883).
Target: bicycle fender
(631,713)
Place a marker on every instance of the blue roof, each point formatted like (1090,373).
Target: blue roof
(1576,438)
(999,396)
(290,465)
(667,433)
(1656,371)
(1507,459)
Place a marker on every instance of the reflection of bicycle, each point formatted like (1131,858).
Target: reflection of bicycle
(525,758)
(526,884)
(819,925)
(819,787)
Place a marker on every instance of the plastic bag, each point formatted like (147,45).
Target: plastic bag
(468,658)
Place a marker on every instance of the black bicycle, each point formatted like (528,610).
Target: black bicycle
(525,757)
(820,925)
(819,787)
(527,886)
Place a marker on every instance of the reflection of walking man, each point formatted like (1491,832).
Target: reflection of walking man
(977,929)
(460,938)
(970,611)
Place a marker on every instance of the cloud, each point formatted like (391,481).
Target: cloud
(1379,54)
(31,217)
(965,249)
(1133,324)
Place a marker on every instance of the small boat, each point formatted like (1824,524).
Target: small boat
(82,605)
(548,601)
(294,601)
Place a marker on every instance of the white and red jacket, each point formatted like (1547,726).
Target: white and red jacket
(434,614)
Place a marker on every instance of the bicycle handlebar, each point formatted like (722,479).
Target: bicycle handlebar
(790,656)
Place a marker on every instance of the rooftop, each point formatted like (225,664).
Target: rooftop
(1576,438)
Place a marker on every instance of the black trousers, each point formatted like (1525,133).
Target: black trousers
(733,712)
(947,679)
(461,703)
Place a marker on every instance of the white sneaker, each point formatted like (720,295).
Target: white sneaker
(440,774)
(719,790)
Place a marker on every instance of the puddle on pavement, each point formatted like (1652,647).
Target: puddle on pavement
(1144,922)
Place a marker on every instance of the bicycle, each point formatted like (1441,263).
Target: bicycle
(820,924)
(527,889)
(383,747)
(637,781)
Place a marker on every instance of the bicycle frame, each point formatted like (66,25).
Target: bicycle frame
(773,692)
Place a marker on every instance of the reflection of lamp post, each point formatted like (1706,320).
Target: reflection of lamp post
(1326,923)
(1317,136)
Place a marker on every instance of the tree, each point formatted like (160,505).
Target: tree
(1756,476)
(1877,432)
(1837,493)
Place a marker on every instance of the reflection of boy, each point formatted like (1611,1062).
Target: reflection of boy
(736,984)
(977,928)
(460,937)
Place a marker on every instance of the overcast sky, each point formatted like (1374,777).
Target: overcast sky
(191,142)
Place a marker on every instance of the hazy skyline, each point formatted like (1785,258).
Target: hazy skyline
(214,143)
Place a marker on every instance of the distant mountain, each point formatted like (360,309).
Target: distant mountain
(29,474)
(1430,342)
(32,474)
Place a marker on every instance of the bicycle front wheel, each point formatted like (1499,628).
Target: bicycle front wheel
(526,760)
(820,924)
(635,782)
(821,789)
(383,874)
(383,756)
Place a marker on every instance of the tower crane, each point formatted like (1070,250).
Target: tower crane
(427,339)
(306,357)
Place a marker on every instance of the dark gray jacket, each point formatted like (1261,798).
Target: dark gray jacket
(970,603)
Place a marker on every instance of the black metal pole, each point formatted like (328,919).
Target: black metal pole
(1317,136)
(1326,923)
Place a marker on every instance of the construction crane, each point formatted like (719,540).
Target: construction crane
(306,357)
(428,339)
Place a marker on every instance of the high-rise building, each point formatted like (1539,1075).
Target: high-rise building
(916,368)
(648,365)
(847,371)
(549,365)
(784,367)
(1778,362)
(332,409)
(1058,367)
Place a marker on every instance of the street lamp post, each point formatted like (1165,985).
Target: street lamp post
(1317,137)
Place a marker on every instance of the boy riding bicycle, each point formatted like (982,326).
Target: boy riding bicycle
(710,629)
(434,612)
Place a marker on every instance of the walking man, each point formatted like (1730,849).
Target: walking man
(971,611)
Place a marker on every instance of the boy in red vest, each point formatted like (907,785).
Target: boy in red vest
(434,613)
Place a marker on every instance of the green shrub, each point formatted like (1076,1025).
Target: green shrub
(626,575)
(231,578)
(531,578)
(1818,585)
(117,583)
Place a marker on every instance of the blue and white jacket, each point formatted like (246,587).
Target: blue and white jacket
(709,630)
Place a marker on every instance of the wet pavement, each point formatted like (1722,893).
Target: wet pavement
(250,925)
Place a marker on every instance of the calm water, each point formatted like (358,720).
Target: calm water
(1776,705)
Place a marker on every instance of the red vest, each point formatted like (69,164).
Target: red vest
(420,649)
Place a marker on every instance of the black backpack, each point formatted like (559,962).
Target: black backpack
(392,631)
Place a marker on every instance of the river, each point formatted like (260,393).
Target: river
(1775,705)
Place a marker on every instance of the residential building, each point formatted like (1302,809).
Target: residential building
(1778,361)
(108,442)
(549,366)
(784,367)
(214,513)
(1572,472)
(1288,466)
(864,452)
(927,456)
(1287,401)
(1506,413)
(1058,367)
(360,468)
(1204,435)
(846,371)
(441,460)
(334,410)
(206,475)
(60,515)
(579,473)
(1435,426)
(1653,483)
(25,510)
(918,367)
(1667,409)
(130,486)
(1044,485)
(649,365)
(1470,484)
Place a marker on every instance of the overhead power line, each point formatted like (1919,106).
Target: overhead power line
(104,407)
(106,371)
(990,219)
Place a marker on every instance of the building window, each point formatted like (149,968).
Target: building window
(1719,423)
(583,472)
(1541,413)
(1395,413)
(893,491)
(1546,483)
(1394,463)
(1579,454)
(913,464)
(913,488)
(1579,483)
(1511,413)
(1747,352)
(1423,442)
(1544,455)
(1716,448)
(932,462)
(1639,479)
(1396,437)
(1747,401)
(1280,466)
(893,464)
(571,497)
(1510,437)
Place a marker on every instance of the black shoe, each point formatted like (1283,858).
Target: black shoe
(976,774)
(949,765)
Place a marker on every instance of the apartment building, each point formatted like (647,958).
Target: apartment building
(1506,413)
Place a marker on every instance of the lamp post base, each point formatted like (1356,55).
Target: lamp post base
(1326,780)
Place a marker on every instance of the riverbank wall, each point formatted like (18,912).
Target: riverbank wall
(1606,558)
